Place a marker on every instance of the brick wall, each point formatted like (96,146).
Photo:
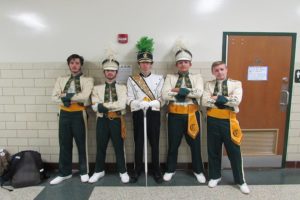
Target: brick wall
(294,129)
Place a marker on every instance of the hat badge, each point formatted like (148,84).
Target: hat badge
(145,55)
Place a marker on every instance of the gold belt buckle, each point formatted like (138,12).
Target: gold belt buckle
(110,118)
(107,116)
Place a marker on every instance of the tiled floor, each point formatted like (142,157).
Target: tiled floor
(223,192)
(73,189)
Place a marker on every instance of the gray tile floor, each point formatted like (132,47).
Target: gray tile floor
(73,189)
(222,192)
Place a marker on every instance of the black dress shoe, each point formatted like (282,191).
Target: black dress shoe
(134,177)
(158,178)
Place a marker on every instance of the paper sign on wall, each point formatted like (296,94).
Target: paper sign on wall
(257,73)
(123,74)
(297,76)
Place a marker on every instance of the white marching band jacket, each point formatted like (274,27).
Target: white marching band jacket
(135,95)
(98,97)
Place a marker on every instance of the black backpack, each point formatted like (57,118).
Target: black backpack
(25,169)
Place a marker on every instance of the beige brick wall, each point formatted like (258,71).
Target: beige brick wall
(28,117)
(294,129)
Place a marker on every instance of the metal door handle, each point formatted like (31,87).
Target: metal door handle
(287,97)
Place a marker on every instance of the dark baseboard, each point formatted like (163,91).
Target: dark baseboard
(292,164)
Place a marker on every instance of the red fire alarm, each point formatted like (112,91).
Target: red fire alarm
(123,38)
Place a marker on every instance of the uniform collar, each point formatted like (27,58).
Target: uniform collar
(143,75)
(110,84)
(77,75)
(221,81)
(183,73)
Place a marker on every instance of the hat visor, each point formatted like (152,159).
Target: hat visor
(111,68)
(145,60)
(179,59)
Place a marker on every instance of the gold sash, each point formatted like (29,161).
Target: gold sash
(191,109)
(113,115)
(235,129)
(143,86)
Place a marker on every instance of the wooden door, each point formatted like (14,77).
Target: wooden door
(262,63)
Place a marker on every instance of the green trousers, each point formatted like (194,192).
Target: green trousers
(177,127)
(218,132)
(72,125)
(107,128)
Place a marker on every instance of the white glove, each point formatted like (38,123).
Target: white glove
(134,105)
(95,107)
(144,105)
(154,104)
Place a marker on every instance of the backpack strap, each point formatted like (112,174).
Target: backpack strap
(8,188)
(4,179)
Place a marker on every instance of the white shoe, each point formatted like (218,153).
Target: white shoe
(200,177)
(124,177)
(59,179)
(84,178)
(213,182)
(244,188)
(168,176)
(96,177)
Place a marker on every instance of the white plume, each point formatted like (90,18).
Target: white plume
(179,44)
(111,53)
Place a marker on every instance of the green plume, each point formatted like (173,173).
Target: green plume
(145,44)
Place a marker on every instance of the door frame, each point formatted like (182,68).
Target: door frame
(292,63)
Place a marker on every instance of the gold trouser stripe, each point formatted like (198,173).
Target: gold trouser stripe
(86,139)
(73,107)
